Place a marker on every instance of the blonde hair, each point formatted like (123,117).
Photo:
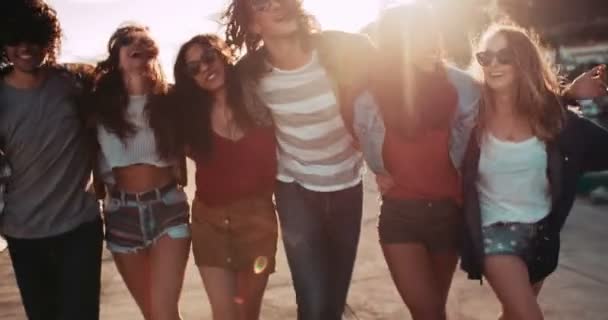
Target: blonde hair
(537,82)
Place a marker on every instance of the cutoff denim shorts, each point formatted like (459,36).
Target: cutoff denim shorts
(136,221)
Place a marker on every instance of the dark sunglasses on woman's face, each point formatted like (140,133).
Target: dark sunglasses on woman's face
(264,5)
(503,56)
(207,57)
(130,39)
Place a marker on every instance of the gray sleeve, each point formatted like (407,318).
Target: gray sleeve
(469,95)
(369,131)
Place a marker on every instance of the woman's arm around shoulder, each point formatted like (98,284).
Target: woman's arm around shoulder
(469,96)
(369,131)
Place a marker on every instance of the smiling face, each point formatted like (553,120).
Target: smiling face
(497,61)
(137,52)
(205,66)
(25,57)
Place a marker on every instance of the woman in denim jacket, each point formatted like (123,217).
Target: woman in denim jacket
(414,138)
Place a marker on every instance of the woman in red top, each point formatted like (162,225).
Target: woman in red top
(421,218)
(234,227)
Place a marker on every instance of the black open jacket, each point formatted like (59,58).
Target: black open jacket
(580,147)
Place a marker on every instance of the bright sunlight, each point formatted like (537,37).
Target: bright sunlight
(89,23)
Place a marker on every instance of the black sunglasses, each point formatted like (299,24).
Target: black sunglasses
(130,39)
(208,57)
(502,56)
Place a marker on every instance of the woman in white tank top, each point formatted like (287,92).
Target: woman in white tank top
(512,203)
(146,211)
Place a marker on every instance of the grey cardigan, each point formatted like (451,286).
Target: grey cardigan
(369,126)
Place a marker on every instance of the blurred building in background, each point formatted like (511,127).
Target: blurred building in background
(575,31)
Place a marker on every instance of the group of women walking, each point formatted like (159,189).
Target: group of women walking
(479,165)
(489,160)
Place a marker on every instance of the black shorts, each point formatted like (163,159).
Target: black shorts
(437,224)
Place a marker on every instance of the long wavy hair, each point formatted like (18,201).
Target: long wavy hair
(30,21)
(110,97)
(195,104)
(238,18)
(537,82)
(411,100)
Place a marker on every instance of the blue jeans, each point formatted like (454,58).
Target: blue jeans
(320,233)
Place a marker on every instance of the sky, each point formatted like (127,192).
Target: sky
(88,24)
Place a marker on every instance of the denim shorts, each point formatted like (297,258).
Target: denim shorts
(509,238)
(134,223)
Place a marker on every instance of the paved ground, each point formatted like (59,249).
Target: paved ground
(578,290)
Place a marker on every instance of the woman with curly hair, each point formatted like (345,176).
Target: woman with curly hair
(52,225)
(146,211)
(234,226)
(524,159)
(305,81)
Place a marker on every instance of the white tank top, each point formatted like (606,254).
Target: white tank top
(513,185)
(139,148)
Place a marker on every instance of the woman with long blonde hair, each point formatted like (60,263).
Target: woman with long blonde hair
(521,167)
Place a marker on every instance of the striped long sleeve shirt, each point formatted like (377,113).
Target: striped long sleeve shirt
(314,148)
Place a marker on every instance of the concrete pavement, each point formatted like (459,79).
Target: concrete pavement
(578,290)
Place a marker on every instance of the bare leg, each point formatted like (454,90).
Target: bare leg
(135,271)
(168,265)
(508,276)
(536,287)
(220,285)
(412,269)
(444,264)
(250,291)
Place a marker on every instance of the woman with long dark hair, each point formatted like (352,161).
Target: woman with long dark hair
(521,168)
(234,226)
(146,211)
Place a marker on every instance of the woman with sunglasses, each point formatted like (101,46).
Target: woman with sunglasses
(234,226)
(521,168)
(146,211)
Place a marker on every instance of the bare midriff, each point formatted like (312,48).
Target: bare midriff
(142,177)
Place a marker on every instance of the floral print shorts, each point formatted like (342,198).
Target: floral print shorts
(509,238)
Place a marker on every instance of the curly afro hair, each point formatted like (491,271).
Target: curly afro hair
(238,16)
(32,21)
